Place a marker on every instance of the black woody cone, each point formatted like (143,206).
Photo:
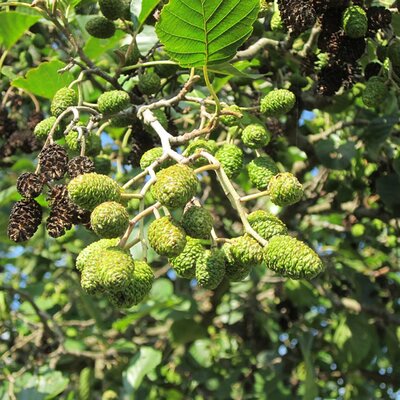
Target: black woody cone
(25,218)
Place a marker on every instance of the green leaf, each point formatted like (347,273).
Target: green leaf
(94,48)
(229,69)
(141,364)
(13,25)
(205,32)
(140,10)
(385,186)
(44,80)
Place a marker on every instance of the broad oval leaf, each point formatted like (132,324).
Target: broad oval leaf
(205,32)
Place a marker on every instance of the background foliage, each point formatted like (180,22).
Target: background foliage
(335,337)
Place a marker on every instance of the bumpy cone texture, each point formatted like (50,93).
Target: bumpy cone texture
(90,190)
(209,146)
(261,170)
(277,102)
(149,83)
(102,164)
(255,136)
(297,15)
(100,27)
(292,258)
(175,186)
(112,9)
(86,256)
(30,184)
(276,22)
(197,222)
(231,159)
(166,237)
(210,269)
(109,219)
(64,98)
(185,264)
(153,155)
(113,102)
(53,161)
(132,57)
(80,165)
(266,224)
(355,22)
(375,92)
(43,128)
(284,189)
(137,290)
(230,119)
(25,218)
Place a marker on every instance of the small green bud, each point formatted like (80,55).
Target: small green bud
(355,22)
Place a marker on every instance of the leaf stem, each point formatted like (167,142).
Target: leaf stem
(212,91)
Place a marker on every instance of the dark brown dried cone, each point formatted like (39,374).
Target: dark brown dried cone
(34,119)
(30,184)
(378,18)
(80,216)
(334,75)
(80,165)
(25,218)
(297,15)
(372,69)
(53,161)
(275,126)
(59,220)
(7,125)
(58,194)
(19,140)
(321,6)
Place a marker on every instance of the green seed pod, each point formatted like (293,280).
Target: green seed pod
(166,70)
(355,22)
(393,53)
(43,128)
(100,27)
(231,120)
(210,269)
(231,159)
(85,384)
(149,83)
(209,146)
(152,155)
(113,102)
(134,55)
(277,102)
(102,164)
(175,186)
(375,92)
(266,224)
(185,264)
(284,189)
(255,136)
(112,9)
(276,22)
(64,98)
(109,219)
(197,222)
(90,190)
(292,258)
(87,254)
(261,170)
(166,237)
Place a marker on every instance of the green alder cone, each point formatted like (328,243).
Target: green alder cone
(292,258)
(241,254)
(64,98)
(152,155)
(276,22)
(231,120)
(109,219)
(149,83)
(210,269)
(209,146)
(113,102)
(137,289)
(43,128)
(375,92)
(185,264)
(277,102)
(284,189)
(102,164)
(166,237)
(175,186)
(86,256)
(231,159)
(261,170)
(355,22)
(266,224)
(90,190)
(100,27)
(112,9)
(255,136)
(197,222)
(92,143)
(85,384)
(134,55)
